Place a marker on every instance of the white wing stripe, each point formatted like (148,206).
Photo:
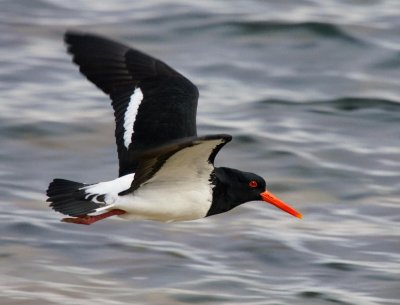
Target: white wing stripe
(109,188)
(130,115)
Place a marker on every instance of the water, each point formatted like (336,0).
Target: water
(309,90)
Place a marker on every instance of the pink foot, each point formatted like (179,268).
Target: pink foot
(88,220)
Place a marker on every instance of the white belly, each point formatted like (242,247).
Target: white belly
(167,201)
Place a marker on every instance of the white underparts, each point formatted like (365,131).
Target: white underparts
(130,115)
(179,190)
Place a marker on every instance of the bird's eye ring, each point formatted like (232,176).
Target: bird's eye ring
(253,183)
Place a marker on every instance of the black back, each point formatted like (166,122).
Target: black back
(168,109)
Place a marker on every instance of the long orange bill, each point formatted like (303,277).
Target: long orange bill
(268,197)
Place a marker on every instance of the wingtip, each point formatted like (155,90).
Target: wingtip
(73,36)
(70,34)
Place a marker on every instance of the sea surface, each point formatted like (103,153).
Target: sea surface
(310,91)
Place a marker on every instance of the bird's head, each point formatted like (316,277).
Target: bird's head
(241,187)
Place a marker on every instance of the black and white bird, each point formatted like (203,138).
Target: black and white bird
(166,171)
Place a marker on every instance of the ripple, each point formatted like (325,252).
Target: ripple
(309,93)
(321,29)
(341,266)
(355,104)
(324,297)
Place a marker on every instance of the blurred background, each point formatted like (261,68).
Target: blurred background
(310,91)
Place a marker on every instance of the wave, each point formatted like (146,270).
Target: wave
(358,103)
(322,29)
(342,104)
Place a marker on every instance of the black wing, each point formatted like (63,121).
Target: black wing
(182,160)
(153,104)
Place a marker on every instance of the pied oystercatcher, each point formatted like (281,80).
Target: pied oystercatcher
(166,171)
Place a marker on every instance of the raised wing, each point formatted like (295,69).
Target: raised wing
(153,104)
(181,160)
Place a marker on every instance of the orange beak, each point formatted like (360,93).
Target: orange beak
(268,197)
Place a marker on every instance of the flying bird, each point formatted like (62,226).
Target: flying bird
(166,171)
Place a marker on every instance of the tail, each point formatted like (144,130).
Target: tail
(71,198)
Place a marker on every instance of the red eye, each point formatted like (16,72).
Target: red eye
(253,183)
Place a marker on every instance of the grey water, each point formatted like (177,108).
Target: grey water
(310,92)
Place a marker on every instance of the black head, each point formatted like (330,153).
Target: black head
(234,187)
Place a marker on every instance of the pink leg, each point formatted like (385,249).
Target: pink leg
(88,220)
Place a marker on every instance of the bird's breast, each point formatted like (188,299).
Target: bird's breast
(168,201)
